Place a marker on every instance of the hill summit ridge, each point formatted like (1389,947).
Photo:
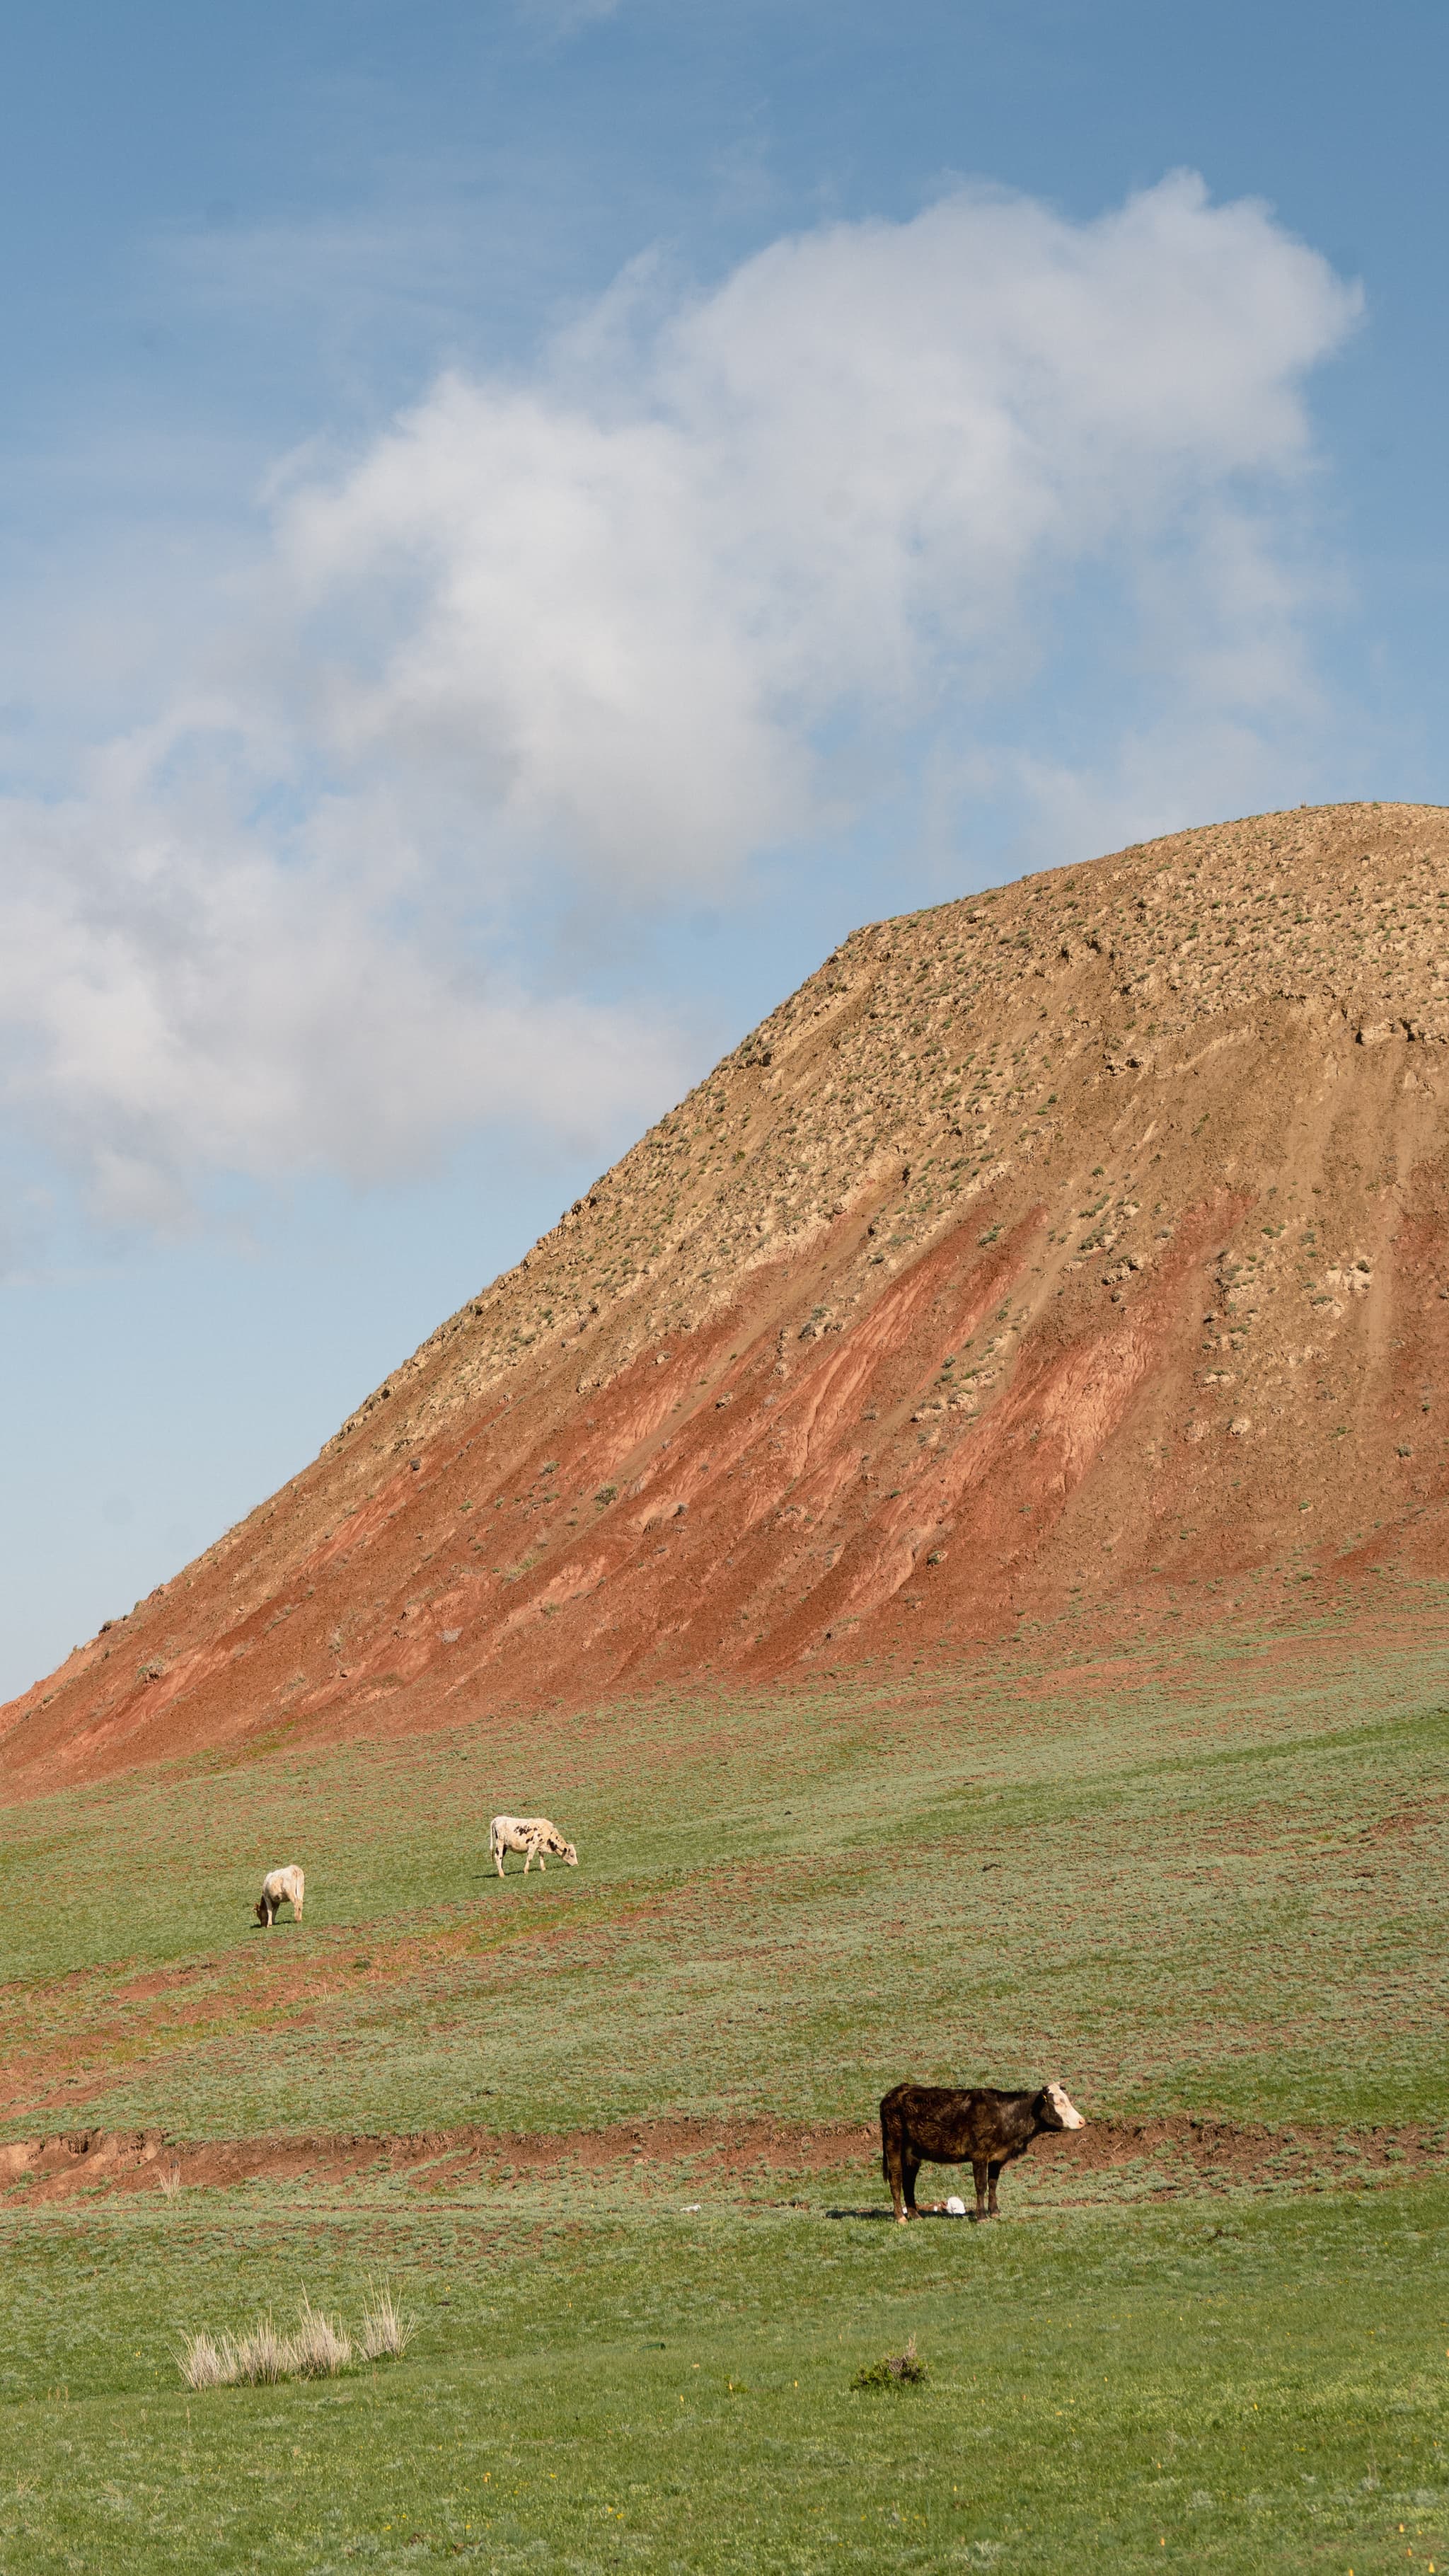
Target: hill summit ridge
(1134,953)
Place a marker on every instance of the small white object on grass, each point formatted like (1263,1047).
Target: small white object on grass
(955,2208)
(692,2208)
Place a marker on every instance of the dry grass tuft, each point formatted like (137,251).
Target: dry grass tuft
(170,2182)
(261,2356)
(203,2363)
(318,2347)
(387,2329)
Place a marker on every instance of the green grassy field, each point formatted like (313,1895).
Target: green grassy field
(1213,1883)
(1262,2387)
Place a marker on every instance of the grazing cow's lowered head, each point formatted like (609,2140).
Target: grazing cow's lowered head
(281,1887)
(549,1839)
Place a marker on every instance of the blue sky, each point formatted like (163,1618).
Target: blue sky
(521,524)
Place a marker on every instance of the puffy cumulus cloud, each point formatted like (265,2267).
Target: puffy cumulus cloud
(622,620)
(181,1001)
(624,600)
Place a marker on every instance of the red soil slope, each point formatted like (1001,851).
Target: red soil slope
(1044,1247)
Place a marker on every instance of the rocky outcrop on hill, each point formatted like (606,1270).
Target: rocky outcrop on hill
(1074,1239)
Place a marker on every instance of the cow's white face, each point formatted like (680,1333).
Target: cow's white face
(570,1855)
(1067,2112)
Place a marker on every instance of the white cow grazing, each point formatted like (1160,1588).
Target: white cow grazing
(531,1835)
(280,1887)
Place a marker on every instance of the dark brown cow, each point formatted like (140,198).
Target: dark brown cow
(934,2124)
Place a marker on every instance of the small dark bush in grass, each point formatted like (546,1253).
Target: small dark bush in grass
(901,2371)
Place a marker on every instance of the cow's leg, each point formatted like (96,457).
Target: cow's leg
(891,2159)
(995,2176)
(978,2176)
(910,2167)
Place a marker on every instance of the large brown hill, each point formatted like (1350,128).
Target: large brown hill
(1046,1249)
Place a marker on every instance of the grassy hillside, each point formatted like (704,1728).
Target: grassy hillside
(1211,1883)
(1207,1883)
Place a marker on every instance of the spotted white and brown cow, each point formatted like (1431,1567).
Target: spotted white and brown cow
(531,1835)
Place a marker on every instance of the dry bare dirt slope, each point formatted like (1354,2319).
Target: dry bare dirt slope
(1046,1248)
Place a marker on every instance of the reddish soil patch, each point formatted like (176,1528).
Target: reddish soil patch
(1226,2151)
(1192,2153)
(85,2159)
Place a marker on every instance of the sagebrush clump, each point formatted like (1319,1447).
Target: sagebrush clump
(902,2370)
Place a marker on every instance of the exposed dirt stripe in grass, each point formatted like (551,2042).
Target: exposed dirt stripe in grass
(1196,2148)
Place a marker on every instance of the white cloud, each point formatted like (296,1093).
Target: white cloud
(621,599)
(183,1002)
(615,622)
